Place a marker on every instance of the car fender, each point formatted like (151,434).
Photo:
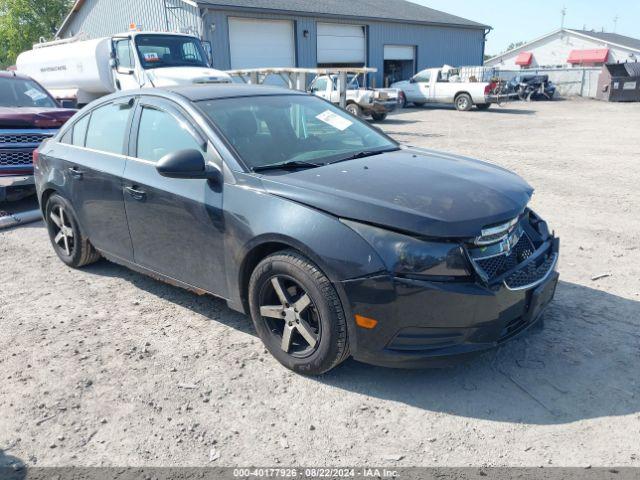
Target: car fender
(338,251)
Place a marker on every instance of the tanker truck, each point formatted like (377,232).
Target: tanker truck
(77,72)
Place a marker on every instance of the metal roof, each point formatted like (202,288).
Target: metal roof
(390,10)
(621,40)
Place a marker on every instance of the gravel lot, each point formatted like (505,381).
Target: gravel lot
(107,367)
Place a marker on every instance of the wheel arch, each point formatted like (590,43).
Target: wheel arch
(260,248)
(44,198)
(462,92)
(267,245)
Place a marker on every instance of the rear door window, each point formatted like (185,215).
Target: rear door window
(161,133)
(108,127)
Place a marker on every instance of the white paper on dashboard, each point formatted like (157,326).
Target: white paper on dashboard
(335,120)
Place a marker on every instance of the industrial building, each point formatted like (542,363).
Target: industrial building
(397,37)
(570,48)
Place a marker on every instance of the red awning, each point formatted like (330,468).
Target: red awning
(524,59)
(588,56)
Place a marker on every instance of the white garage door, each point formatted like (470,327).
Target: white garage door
(341,44)
(399,52)
(261,43)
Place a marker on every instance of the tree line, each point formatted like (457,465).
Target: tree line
(25,22)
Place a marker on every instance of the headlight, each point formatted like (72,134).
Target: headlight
(409,256)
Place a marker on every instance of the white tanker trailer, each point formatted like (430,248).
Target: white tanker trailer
(81,71)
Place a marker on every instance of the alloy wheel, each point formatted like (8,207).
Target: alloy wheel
(463,103)
(291,316)
(63,231)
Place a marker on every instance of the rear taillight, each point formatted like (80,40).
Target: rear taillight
(36,156)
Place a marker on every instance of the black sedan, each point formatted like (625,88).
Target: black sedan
(336,239)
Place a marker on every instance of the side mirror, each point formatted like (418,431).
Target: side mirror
(208,50)
(412,80)
(113,63)
(186,164)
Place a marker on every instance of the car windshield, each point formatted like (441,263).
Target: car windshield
(170,51)
(23,93)
(279,129)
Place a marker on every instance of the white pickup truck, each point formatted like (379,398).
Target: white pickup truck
(80,71)
(377,103)
(437,85)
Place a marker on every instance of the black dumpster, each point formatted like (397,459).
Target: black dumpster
(620,82)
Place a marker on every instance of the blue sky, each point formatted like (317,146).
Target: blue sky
(517,20)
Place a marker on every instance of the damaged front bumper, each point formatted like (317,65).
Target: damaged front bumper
(424,323)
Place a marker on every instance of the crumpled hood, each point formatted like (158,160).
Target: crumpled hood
(32,117)
(173,76)
(413,190)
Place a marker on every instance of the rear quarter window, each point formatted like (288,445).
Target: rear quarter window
(79,131)
(107,128)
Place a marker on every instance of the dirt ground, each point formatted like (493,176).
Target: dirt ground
(107,367)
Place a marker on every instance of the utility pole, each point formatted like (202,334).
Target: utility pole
(564,14)
(615,23)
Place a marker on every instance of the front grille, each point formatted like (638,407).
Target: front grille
(16,158)
(495,266)
(22,138)
(530,274)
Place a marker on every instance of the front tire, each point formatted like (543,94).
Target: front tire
(354,109)
(464,103)
(379,117)
(483,106)
(298,314)
(71,246)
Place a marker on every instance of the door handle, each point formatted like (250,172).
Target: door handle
(75,173)
(136,194)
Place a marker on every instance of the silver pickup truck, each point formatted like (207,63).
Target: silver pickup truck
(437,85)
(377,103)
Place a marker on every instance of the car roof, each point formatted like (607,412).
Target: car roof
(197,93)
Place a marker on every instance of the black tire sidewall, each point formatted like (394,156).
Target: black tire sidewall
(328,353)
(76,255)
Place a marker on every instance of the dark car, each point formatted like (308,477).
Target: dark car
(337,240)
(28,115)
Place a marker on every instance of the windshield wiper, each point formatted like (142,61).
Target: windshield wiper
(286,165)
(364,154)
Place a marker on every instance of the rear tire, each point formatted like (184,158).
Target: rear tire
(463,102)
(379,117)
(419,104)
(71,246)
(298,314)
(484,106)
(354,109)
